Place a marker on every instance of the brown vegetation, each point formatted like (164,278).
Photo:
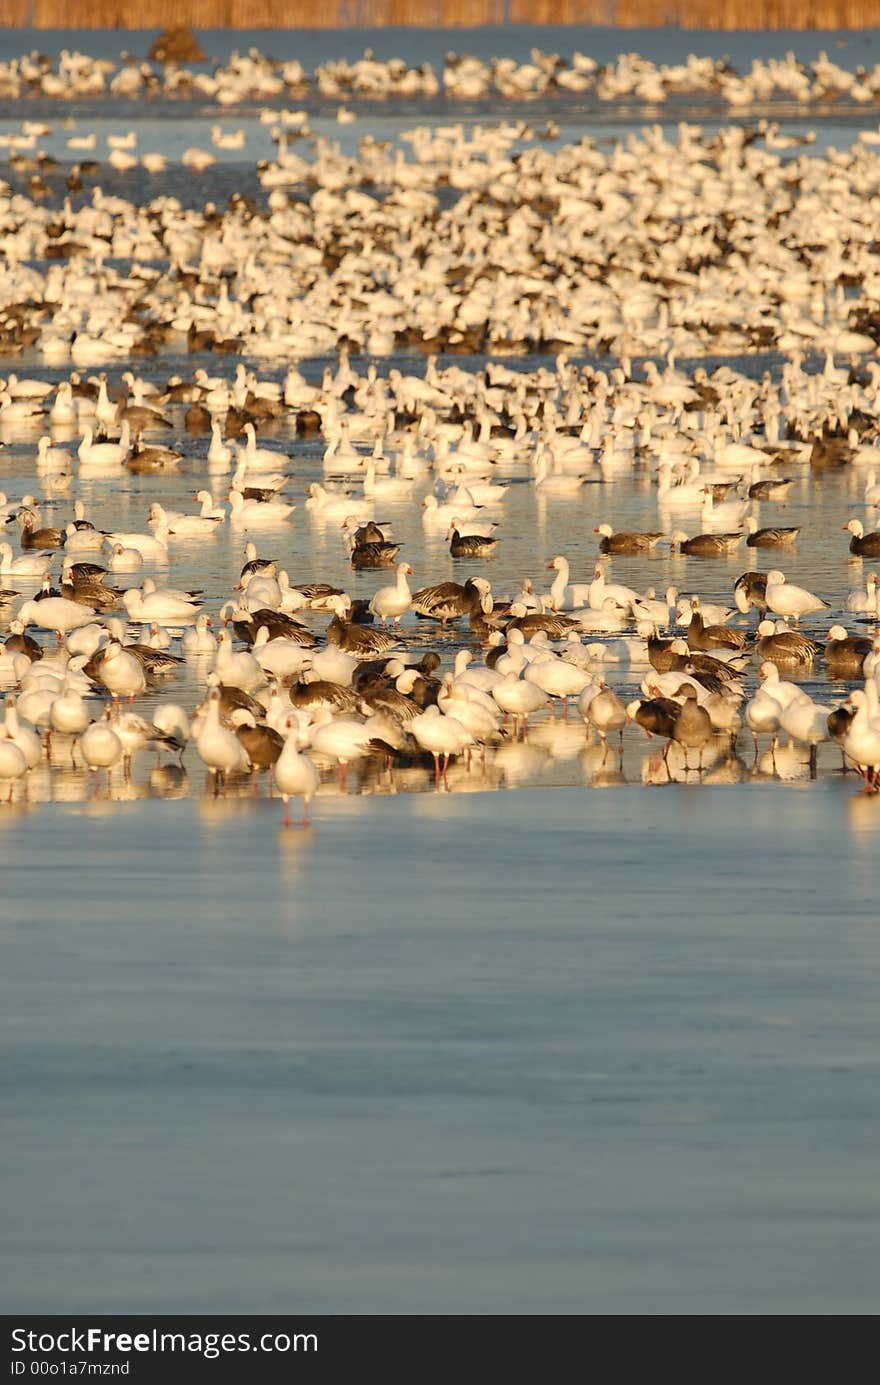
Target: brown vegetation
(329,14)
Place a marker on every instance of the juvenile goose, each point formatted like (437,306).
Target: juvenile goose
(469,545)
(693,726)
(706,545)
(448,600)
(770,537)
(625,541)
(705,637)
(356,639)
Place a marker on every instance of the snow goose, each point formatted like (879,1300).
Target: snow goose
(217,746)
(784,599)
(163,607)
(279,656)
(706,545)
(865,602)
(564,597)
(391,602)
(557,678)
(124,559)
(861,544)
(605,711)
(861,742)
(13,764)
(237,669)
(806,721)
(845,654)
(152,547)
(519,699)
(295,774)
(100,746)
(121,672)
(442,736)
(26,565)
(55,613)
(250,513)
(12,730)
(103,454)
(199,640)
(469,545)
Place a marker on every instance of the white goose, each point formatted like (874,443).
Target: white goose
(217,747)
(390,602)
(787,600)
(295,774)
(55,613)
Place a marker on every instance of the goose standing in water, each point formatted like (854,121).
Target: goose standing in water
(785,599)
(218,747)
(295,774)
(389,603)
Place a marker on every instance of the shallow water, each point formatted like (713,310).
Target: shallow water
(576,1055)
(548,1051)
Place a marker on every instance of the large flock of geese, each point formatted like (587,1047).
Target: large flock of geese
(482,241)
(255,76)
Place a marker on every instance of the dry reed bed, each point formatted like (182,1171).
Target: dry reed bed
(332,14)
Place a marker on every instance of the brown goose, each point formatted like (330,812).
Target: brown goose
(154,661)
(322,693)
(370,555)
(666,656)
(706,545)
(770,489)
(625,541)
(693,727)
(32,537)
(845,654)
(750,592)
(93,594)
(22,643)
(784,647)
(230,699)
(470,545)
(262,744)
(448,600)
(389,668)
(78,573)
(144,461)
(279,626)
(380,697)
(357,639)
(656,715)
(769,537)
(704,637)
(862,544)
(530,622)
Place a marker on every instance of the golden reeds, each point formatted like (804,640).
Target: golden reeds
(329,14)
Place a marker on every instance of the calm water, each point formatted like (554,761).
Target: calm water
(586,1053)
(552,1051)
